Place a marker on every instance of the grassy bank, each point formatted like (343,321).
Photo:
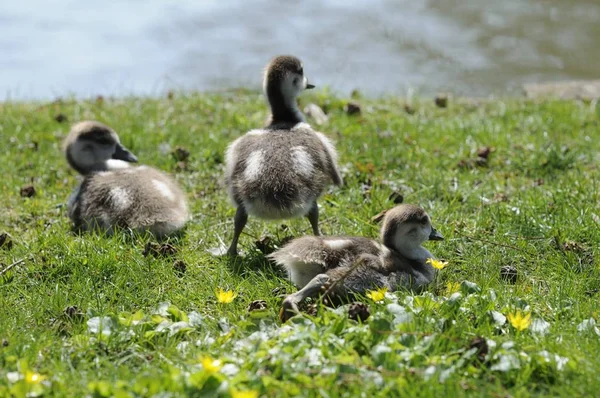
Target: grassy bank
(93,315)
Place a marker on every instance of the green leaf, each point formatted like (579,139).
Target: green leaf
(19,389)
(159,319)
(100,388)
(177,314)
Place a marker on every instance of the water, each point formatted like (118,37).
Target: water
(146,47)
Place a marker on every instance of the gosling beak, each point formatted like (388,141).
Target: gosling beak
(123,153)
(435,235)
(309,86)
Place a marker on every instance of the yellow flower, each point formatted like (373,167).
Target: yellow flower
(244,394)
(452,287)
(377,295)
(210,365)
(437,264)
(225,296)
(34,378)
(519,321)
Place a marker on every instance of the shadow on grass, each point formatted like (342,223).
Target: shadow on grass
(252,262)
(129,235)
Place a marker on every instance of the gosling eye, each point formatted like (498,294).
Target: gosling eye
(296,81)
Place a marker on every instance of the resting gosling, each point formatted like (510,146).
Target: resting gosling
(348,265)
(280,171)
(113,192)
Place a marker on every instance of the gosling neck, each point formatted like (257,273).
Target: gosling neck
(284,109)
(412,251)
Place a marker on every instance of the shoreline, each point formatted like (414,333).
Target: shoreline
(585,90)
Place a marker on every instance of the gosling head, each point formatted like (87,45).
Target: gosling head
(284,77)
(93,146)
(405,228)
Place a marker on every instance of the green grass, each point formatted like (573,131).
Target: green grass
(534,206)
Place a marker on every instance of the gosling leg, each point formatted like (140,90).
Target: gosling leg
(240,220)
(313,217)
(289,306)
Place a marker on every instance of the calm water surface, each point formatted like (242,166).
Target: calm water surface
(85,48)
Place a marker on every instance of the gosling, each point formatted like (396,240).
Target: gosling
(114,193)
(280,171)
(350,265)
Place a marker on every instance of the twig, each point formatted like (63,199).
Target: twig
(5,270)
(351,269)
(360,260)
(527,237)
(497,244)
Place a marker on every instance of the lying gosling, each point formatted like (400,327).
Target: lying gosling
(280,171)
(349,265)
(116,194)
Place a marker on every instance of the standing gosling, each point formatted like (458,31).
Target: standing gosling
(280,171)
(347,265)
(113,192)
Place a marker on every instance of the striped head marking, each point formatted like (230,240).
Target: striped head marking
(90,145)
(285,74)
(407,225)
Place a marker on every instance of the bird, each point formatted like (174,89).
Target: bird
(114,193)
(279,171)
(348,265)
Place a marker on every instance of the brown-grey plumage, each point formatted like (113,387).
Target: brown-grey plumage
(278,173)
(281,170)
(115,194)
(348,265)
